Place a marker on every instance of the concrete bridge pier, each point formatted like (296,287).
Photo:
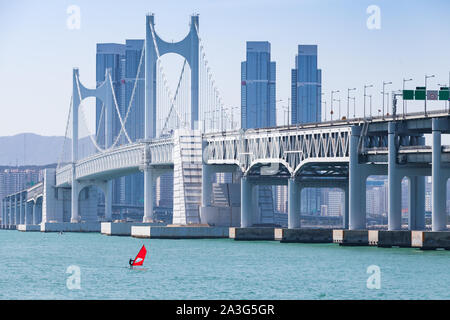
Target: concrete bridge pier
(149,177)
(34,212)
(416,203)
(357,184)
(394,181)
(294,198)
(207,173)
(345,218)
(439,178)
(75,217)
(10,213)
(28,213)
(21,211)
(247,201)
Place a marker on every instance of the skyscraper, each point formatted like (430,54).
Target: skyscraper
(133,185)
(110,56)
(124,60)
(306,86)
(258,106)
(306,105)
(258,87)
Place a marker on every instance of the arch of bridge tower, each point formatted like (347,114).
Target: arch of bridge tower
(156,47)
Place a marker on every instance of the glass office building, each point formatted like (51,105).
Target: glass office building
(258,87)
(124,59)
(306,86)
(306,107)
(258,110)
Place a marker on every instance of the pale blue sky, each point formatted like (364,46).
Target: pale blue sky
(38,51)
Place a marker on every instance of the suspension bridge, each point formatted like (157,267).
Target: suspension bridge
(190,132)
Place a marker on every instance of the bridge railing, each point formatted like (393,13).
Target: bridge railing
(288,147)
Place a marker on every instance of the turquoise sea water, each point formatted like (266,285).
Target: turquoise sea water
(33,266)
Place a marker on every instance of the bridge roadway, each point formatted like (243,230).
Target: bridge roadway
(334,153)
(131,158)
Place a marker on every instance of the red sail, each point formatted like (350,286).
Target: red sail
(139,260)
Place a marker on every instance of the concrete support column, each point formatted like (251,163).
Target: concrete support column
(438,191)
(108,200)
(34,212)
(394,182)
(148,195)
(3,213)
(21,211)
(294,193)
(345,217)
(10,213)
(357,185)
(75,187)
(26,220)
(15,211)
(206,185)
(246,202)
(416,203)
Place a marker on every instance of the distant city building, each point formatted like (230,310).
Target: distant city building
(258,76)
(306,105)
(306,86)
(110,56)
(15,179)
(258,110)
(335,202)
(124,60)
(281,199)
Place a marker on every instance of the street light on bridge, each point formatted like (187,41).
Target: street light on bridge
(331,101)
(404,102)
(384,84)
(425,106)
(365,87)
(348,103)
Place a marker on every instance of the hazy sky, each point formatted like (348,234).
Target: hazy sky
(38,50)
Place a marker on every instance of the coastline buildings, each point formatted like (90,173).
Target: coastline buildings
(14,179)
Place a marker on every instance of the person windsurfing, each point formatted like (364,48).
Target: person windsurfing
(139,260)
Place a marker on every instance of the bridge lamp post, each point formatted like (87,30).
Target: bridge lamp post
(339,108)
(324,102)
(268,116)
(404,102)
(348,103)
(354,106)
(370,104)
(426,78)
(331,111)
(384,84)
(365,87)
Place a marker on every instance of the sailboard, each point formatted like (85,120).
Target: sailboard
(139,260)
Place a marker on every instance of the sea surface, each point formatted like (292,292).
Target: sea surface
(34,265)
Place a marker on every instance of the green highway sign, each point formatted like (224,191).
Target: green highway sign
(444,95)
(408,94)
(420,94)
